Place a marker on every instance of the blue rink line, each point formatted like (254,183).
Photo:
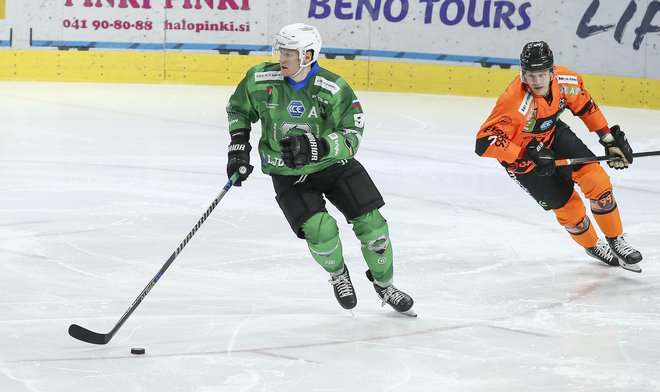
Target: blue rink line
(419,56)
(267,48)
(5,43)
(99,45)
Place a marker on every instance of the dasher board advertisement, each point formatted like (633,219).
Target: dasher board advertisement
(606,37)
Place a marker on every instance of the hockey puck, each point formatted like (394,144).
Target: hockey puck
(137,350)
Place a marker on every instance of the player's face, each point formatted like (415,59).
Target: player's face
(538,81)
(289,61)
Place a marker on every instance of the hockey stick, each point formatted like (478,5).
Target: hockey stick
(575,161)
(88,336)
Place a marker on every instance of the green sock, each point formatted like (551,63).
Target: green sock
(322,237)
(372,231)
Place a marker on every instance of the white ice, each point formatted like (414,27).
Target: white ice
(99,184)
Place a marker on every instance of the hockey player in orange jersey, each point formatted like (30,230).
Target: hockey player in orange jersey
(524,133)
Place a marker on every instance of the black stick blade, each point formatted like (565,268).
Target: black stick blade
(88,336)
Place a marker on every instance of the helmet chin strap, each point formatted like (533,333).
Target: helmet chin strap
(301,67)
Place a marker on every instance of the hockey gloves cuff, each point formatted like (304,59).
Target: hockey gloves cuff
(616,143)
(543,158)
(301,150)
(239,156)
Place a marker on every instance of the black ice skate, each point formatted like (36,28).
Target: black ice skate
(344,291)
(397,299)
(627,255)
(601,251)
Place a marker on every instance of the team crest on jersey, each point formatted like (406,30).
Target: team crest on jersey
(296,109)
(546,125)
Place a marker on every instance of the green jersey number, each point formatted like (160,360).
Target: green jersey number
(358,119)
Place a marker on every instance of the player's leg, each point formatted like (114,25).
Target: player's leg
(596,186)
(372,231)
(555,193)
(573,216)
(357,197)
(304,208)
(322,237)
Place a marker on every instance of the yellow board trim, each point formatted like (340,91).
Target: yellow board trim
(217,69)
(3,8)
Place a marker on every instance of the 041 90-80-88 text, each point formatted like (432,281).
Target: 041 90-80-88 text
(116,24)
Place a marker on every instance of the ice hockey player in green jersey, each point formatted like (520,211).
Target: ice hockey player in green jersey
(311,128)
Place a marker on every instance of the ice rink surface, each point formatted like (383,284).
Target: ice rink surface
(99,183)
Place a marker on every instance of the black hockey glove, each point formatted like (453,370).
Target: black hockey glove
(543,158)
(302,149)
(616,143)
(239,156)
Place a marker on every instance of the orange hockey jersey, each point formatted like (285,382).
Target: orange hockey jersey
(519,117)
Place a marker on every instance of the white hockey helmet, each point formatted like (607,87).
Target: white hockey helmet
(300,37)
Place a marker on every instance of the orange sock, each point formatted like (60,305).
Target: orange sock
(596,185)
(573,216)
(606,214)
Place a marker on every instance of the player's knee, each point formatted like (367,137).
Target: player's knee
(320,227)
(372,231)
(604,204)
(368,223)
(593,181)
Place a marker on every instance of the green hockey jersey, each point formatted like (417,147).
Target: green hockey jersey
(323,104)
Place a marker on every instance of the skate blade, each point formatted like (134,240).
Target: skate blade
(410,313)
(630,267)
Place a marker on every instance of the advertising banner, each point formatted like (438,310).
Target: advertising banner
(605,37)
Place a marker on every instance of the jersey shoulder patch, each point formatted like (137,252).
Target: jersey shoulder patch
(268,75)
(326,84)
(567,79)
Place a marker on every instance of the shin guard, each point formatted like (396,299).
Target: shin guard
(372,231)
(322,237)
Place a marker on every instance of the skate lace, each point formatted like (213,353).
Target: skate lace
(342,284)
(392,295)
(621,246)
(602,249)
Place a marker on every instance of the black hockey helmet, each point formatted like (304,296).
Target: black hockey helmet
(536,56)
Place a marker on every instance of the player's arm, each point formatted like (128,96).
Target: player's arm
(241,114)
(347,120)
(241,111)
(581,104)
(495,136)
(613,139)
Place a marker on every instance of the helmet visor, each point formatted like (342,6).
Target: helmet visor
(285,54)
